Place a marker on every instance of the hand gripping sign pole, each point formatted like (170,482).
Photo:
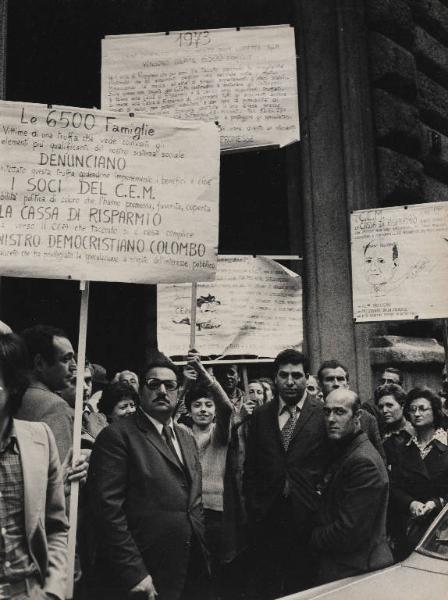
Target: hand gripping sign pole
(74,488)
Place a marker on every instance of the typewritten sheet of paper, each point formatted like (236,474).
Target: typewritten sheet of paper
(400,262)
(246,80)
(92,195)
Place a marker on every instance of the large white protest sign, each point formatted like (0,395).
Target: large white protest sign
(244,79)
(400,262)
(102,196)
(253,307)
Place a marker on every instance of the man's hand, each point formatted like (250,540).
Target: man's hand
(417,509)
(145,589)
(429,506)
(199,370)
(76,473)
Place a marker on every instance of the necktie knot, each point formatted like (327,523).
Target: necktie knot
(288,428)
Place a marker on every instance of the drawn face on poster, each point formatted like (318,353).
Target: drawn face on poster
(381,264)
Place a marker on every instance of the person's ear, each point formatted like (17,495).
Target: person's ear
(39,363)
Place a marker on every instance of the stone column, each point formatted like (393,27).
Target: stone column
(338,172)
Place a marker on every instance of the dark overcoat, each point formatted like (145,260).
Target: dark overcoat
(145,506)
(351,537)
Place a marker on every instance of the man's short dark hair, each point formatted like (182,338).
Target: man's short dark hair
(13,365)
(293,357)
(113,393)
(434,400)
(331,364)
(390,389)
(40,340)
(155,360)
(395,371)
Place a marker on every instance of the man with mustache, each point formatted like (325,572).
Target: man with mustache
(145,490)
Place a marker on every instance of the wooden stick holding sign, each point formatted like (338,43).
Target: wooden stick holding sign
(194,303)
(74,488)
(445,340)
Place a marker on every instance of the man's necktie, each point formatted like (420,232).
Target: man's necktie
(288,428)
(168,437)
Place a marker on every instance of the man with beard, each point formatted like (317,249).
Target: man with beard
(145,490)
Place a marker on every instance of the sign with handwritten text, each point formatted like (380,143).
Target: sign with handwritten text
(246,80)
(400,262)
(91,195)
(253,307)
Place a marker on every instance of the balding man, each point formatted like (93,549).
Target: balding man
(351,537)
(333,375)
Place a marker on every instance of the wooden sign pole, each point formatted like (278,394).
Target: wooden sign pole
(74,488)
(194,293)
(445,340)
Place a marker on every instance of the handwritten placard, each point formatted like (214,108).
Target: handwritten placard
(246,80)
(253,307)
(102,196)
(400,262)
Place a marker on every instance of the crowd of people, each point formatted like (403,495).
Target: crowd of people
(192,488)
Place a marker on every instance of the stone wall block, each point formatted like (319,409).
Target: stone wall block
(393,18)
(419,359)
(433,16)
(397,124)
(434,154)
(431,56)
(392,67)
(434,190)
(432,100)
(400,178)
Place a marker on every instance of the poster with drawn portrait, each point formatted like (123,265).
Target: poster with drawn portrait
(400,262)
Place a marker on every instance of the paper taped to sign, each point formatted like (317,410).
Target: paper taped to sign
(246,80)
(91,195)
(254,307)
(400,262)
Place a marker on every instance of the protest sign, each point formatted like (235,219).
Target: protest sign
(244,79)
(91,195)
(254,307)
(400,262)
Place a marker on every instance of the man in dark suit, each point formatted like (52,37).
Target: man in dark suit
(351,537)
(145,489)
(285,460)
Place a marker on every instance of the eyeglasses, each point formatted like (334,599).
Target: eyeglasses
(169,384)
(422,409)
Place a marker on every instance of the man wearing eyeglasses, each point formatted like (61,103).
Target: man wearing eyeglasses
(145,487)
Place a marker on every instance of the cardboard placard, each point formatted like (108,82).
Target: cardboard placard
(91,195)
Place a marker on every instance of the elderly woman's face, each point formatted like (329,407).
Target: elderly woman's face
(420,413)
(390,410)
(124,408)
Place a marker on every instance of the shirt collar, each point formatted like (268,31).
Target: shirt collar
(10,439)
(158,425)
(440,435)
(282,406)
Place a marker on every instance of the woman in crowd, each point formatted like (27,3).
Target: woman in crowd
(118,400)
(257,395)
(396,429)
(419,473)
(211,412)
(269,390)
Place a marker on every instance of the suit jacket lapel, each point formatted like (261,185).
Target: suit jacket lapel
(34,462)
(187,448)
(156,439)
